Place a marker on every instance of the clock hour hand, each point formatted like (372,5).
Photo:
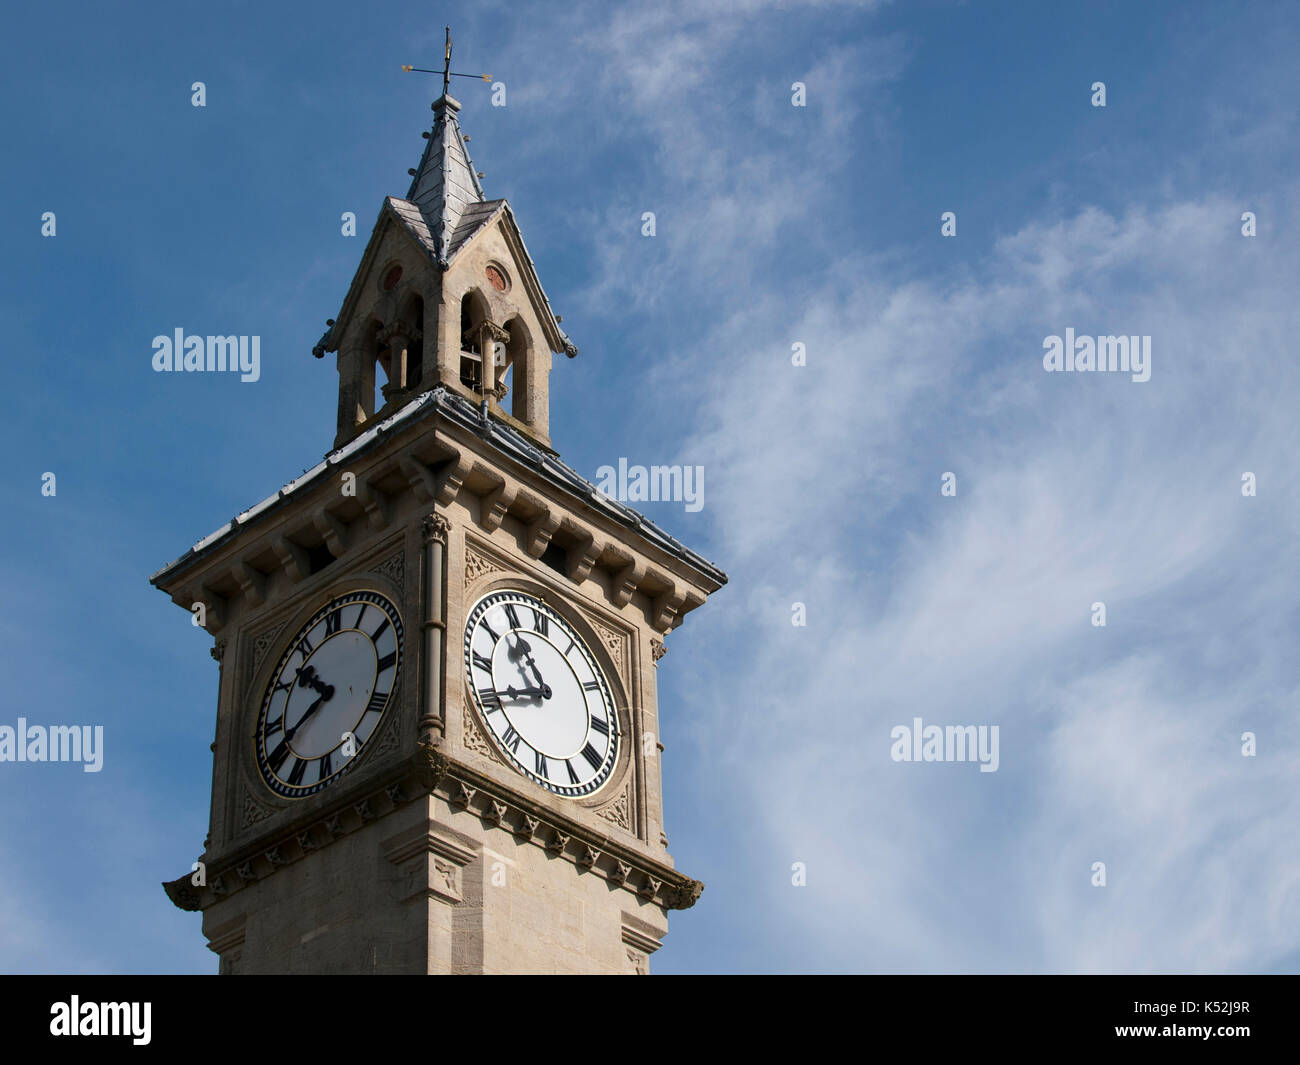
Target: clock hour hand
(524,649)
(519,693)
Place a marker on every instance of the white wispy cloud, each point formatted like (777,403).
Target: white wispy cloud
(1120,744)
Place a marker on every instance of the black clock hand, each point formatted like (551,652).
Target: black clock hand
(289,733)
(524,648)
(518,693)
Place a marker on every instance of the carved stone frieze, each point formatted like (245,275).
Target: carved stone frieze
(429,771)
(474,739)
(618,812)
(478,565)
(263,643)
(612,640)
(254,811)
(394,568)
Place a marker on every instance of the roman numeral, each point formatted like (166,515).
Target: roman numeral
(333,622)
(305,648)
(490,632)
(283,686)
(600,725)
(589,753)
(511,739)
(276,758)
(572,645)
(591,686)
(383,626)
(377,701)
(489,698)
(541,764)
(298,771)
(484,664)
(511,616)
(573,777)
(387,661)
(360,614)
(326,766)
(275,726)
(541,622)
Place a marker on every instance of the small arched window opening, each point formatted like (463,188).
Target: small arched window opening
(376,354)
(519,358)
(473,313)
(412,318)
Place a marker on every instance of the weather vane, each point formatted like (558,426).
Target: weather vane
(447,72)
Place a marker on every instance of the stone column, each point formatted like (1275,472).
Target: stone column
(433,724)
(353,399)
(398,341)
(490,335)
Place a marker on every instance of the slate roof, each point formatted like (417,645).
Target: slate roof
(443,210)
(501,436)
(445,183)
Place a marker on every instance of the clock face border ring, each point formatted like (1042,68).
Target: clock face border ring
(627,713)
(294,617)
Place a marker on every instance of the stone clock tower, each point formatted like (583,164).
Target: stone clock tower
(437,734)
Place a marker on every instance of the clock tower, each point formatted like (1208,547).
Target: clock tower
(438,734)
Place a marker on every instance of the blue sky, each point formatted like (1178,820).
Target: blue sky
(775,225)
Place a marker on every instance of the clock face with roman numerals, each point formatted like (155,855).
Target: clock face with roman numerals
(329,693)
(538,687)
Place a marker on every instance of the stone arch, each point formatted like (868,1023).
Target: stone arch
(411,318)
(474,311)
(520,358)
(374,352)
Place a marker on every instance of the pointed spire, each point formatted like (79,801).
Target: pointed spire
(445,183)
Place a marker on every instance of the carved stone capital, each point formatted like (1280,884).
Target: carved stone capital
(435,529)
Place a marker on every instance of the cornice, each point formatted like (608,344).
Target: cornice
(432,451)
(464,789)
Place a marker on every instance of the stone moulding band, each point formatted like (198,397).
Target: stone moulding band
(431,772)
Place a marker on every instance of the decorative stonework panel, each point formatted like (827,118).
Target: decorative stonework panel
(391,738)
(619,812)
(444,880)
(477,565)
(612,640)
(254,811)
(394,568)
(263,643)
(474,739)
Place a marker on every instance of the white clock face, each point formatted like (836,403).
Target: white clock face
(329,693)
(537,686)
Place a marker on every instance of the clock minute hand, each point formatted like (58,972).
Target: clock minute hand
(518,693)
(289,733)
